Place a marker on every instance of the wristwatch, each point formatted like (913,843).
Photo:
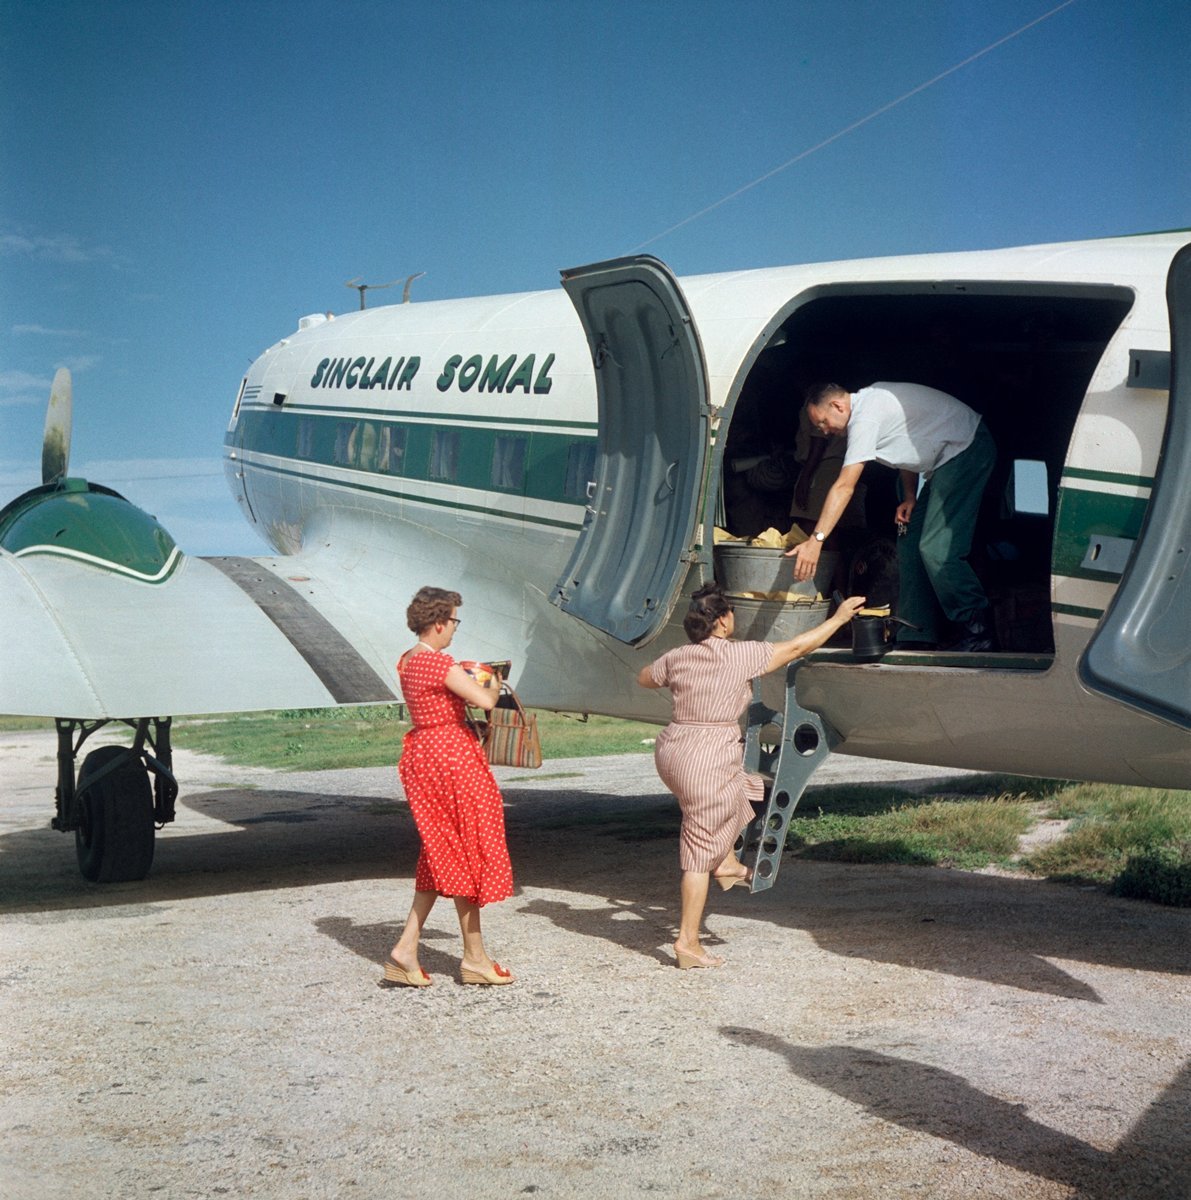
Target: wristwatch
(819,535)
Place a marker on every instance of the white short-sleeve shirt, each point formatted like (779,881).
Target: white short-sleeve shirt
(908,426)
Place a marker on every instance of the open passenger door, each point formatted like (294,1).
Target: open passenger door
(639,533)
(1141,654)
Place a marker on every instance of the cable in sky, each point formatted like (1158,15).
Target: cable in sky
(855,125)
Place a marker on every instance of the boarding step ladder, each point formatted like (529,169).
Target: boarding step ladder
(805,741)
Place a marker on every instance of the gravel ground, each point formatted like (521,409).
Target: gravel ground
(219,1029)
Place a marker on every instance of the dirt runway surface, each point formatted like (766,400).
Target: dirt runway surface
(219,1029)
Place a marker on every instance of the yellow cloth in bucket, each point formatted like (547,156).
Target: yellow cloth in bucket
(774,539)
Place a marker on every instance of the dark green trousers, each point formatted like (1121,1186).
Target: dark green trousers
(936,579)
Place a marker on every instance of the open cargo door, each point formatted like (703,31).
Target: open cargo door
(1141,654)
(638,537)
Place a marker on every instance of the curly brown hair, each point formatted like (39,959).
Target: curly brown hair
(708,604)
(430,606)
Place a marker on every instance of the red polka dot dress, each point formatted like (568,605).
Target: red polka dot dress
(455,801)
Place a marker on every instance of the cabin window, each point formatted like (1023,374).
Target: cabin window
(305,446)
(390,452)
(508,462)
(1028,491)
(369,445)
(444,455)
(347,443)
(580,469)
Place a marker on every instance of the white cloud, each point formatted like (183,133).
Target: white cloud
(59,247)
(82,362)
(114,471)
(22,387)
(193,477)
(17,477)
(12,381)
(42,331)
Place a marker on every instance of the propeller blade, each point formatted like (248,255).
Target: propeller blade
(55,446)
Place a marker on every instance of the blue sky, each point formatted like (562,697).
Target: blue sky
(180,181)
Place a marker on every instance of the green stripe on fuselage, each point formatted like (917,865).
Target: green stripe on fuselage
(316,435)
(1085,515)
(420,416)
(453,503)
(1146,481)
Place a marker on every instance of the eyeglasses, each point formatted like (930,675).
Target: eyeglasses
(456,620)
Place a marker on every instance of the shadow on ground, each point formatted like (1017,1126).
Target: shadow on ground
(1152,1163)
(622,852)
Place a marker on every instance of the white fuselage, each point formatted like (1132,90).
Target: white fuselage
(454,442)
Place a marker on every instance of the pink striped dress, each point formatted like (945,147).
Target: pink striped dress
(699,754)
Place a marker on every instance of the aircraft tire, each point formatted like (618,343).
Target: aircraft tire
(114,843)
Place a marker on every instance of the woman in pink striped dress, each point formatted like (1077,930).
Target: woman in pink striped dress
(699,754)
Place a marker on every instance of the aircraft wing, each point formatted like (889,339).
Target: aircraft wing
(216,635)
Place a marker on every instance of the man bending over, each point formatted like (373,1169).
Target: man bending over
(923,433)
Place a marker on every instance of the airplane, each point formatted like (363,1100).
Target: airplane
(563,459)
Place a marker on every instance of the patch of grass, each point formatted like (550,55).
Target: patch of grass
(370,736)
(1136,840)
(567,736)
(868,799)
(1002,786)
(1162,874)
(297,741)
(315,739)
(923,830)
(11,724)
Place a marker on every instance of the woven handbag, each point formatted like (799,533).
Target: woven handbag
(511,738)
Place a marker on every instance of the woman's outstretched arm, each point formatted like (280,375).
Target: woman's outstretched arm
(802,644)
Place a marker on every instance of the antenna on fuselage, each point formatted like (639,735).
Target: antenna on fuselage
(367,287)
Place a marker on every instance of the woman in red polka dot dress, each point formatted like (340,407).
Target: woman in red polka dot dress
(455,801)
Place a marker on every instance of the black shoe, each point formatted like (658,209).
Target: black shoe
(979,637)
